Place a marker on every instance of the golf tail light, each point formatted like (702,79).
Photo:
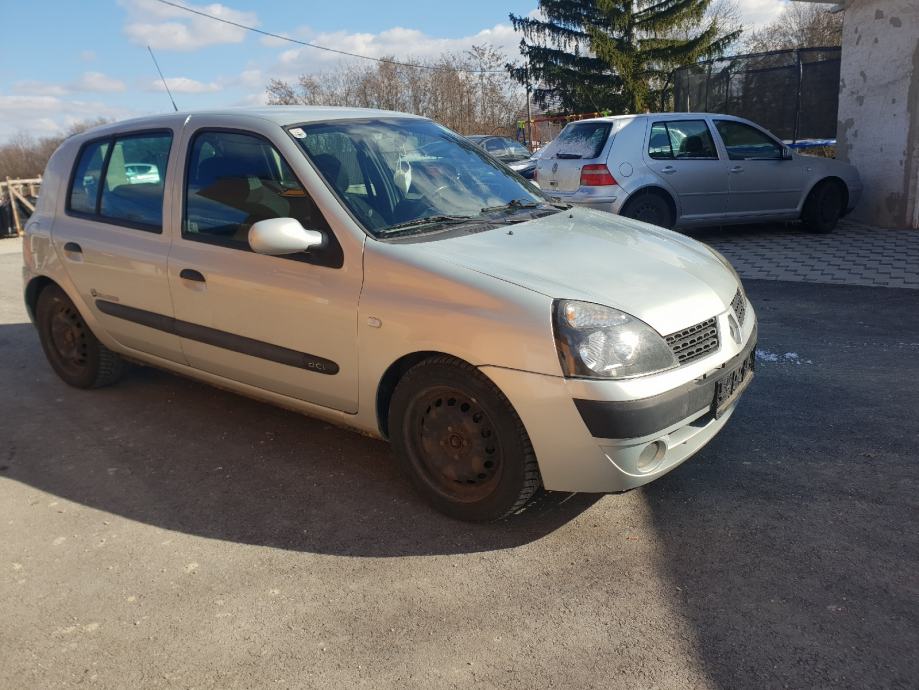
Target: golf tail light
(596,175)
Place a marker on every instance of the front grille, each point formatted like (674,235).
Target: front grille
(739,305)
(695,341)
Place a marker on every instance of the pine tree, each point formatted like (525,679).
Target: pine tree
(618,55)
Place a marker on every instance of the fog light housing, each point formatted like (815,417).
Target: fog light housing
(651,456)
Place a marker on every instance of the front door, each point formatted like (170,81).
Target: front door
(762,182)
(286,324)
(683,155)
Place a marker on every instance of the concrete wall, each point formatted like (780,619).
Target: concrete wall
(879,108)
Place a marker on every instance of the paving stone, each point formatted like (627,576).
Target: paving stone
(854,254)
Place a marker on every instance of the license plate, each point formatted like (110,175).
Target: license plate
(728,389)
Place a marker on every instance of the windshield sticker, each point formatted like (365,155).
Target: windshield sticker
(298,133)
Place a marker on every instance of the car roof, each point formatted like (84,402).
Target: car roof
(669,116)
(282,115)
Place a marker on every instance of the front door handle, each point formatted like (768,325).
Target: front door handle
(73,248)
(668,169)
(191,274)
(737,169)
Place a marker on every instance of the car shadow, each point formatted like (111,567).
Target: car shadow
(789,544)
(170,452)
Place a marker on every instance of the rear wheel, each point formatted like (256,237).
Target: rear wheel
(461,442)
(649,207)
(75,354)
(824,207)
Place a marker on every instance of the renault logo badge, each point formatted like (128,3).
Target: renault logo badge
(735,329)
(555,168)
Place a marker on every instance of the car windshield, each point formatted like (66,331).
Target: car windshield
(517,150)
(395,174)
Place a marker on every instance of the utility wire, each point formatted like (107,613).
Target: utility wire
(326,48)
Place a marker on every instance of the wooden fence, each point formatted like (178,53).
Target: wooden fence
(20,196)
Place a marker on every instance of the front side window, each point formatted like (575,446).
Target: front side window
(84,188)
(411,175)
(681,139)
(579,140)
(134,180)
(744,142)
(235,180)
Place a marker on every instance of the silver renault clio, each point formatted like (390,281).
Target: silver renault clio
(378,271)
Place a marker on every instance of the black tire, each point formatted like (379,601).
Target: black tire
(461,442)
(75,354)
(823,207)
(649,207)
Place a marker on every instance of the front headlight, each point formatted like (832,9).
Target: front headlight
(601,342)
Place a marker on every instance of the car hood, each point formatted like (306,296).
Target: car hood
(667,280)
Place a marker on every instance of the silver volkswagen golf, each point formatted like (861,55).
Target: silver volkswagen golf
(378,271)
(679,170)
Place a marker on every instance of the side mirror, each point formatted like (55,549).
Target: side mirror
(786,154)
(279,236)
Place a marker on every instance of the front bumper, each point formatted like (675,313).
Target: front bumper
(607,436)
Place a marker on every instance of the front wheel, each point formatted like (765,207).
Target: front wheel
(75,354)
(824,207)
(461,442)
(649,207)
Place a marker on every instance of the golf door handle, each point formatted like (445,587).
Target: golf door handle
(73,248)
(737,169)
(668,169)
(191,274)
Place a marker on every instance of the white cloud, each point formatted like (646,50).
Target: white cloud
(170,28)
(757,13)
(88,55)
(183,85)
(42,115)
(97,82)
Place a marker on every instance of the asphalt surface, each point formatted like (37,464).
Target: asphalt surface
(162,533)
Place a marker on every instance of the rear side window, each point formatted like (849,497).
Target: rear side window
(681,139)
(134,179)
(121,180)
(84,189)
(579,140)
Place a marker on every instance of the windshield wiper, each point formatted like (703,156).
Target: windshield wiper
(568,155)
(427,220)
(511,205)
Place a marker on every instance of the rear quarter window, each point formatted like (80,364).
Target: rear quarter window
(579,140)
(84,186)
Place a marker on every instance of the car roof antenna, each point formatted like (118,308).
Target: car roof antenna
(157,65)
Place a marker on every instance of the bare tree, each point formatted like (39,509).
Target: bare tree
(801,25)
(24,157)
(468,92)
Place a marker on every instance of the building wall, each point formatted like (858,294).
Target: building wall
(879,108)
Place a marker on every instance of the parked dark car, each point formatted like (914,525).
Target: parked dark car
(510,152)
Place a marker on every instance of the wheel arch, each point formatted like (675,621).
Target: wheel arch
(391,378)
(33,290)
(823,180)
(652,188)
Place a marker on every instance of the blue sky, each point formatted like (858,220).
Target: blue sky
(63,61)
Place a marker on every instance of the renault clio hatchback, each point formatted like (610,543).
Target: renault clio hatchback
(378,271)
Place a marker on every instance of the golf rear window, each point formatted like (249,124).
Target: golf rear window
(580,140)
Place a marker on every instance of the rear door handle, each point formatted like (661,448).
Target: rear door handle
(668,169)
(73,248)
(737,169)
(191,274)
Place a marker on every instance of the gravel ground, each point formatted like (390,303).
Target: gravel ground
(162,533)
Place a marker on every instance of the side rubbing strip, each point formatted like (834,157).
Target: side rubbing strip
(222,339)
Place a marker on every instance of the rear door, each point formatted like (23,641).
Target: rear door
(578,144)
(110,237)
(682,153)
(762,183)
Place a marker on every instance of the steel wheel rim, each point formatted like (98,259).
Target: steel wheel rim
(69,339)
(647,213)
(455,446)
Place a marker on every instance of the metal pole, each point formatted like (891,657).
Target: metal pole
(529,129)
(794,137)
